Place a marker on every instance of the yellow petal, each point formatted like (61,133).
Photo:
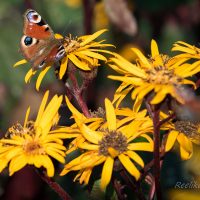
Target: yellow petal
(185,155)
(47,163)
(11,141)
(119,96)
(94,55)
(128,67)
(171,139)
(154,48)
(78,63)
(88,146)
(141,146)
(55,155)
(85,176)
(147,137)
(137,105)
(183,49)
(27,115)
(145,91)
(92,37)
(41,76)
(141,57)
(63,67)
(134,156)
(110,115)
(90,135)
(42,107)
(58,36)
(158,61)
(106,172)
(160,96)
(21,62)
(130,167)
(74,111)
(16,164)
(3,164)
(139,89)
(185,143)
(50,112)
(29,74)
(127,80)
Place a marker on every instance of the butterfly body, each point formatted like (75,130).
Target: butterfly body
(38,44)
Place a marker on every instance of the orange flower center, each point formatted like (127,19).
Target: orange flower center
(162,75)
(70,44)
(33,147)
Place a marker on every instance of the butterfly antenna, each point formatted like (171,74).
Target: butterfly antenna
(66,27)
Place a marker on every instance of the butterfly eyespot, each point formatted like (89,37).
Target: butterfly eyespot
(42,64)
(60,53)
(33,17)
(28,41)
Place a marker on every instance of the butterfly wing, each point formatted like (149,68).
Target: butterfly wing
(38,44)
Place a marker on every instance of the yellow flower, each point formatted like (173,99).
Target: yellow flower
(34,143)
(73,3)
(83,52)
(113,140)
(185,133)
(100,19)
(159,73)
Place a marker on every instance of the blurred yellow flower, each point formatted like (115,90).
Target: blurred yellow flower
(101,20)
(83,52)
(33,143)
(73,3)
(114,140)
(159,73)
(184,192)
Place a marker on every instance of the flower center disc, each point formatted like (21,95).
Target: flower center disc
(162,75)
(33,148)
(71,45)
(112,142)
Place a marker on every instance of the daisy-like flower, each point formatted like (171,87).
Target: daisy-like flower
(112,141)
(83,52)
(35,142)
(159,74)
(98,121)
(185,133)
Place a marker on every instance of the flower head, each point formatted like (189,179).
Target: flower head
(82,51)
(35,142)
(159,74)
(113,140)
(185,133)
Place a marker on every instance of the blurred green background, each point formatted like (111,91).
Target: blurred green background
(134,24)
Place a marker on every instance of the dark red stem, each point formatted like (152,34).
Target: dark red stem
(77,94)
(156,152)
(88,7)
(55,186)
(134,185)
(154,112)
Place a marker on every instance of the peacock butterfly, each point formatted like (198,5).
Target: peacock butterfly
(38,44)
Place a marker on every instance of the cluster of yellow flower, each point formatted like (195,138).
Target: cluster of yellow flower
(112,136)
